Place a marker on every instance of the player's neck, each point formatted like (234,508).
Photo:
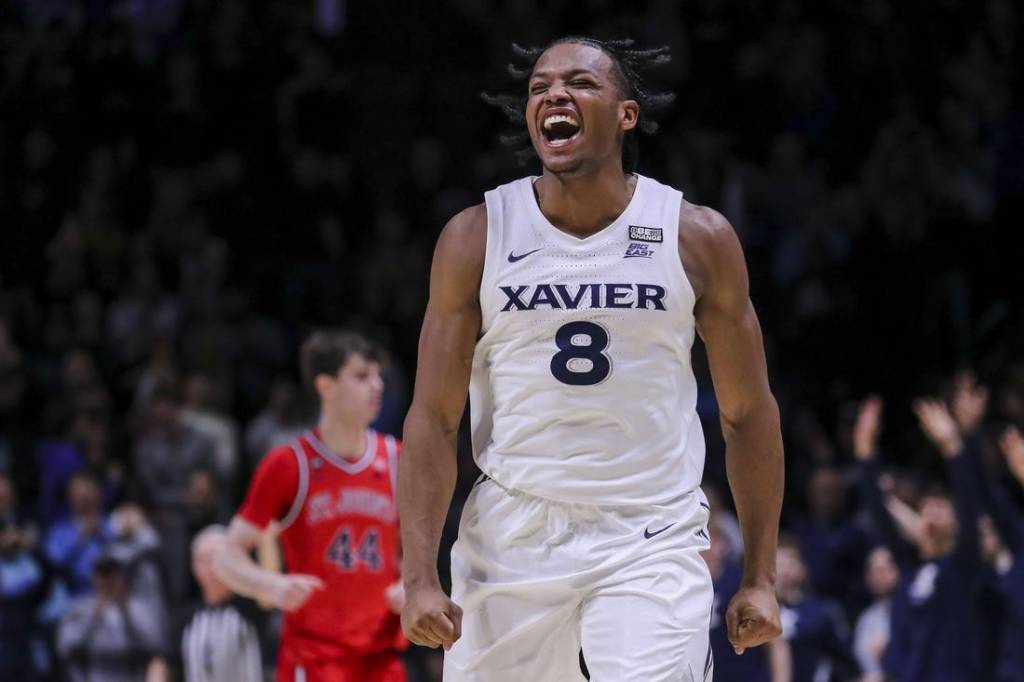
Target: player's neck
(345,439)
(582,204)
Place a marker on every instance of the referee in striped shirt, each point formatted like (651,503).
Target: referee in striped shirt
(221,641)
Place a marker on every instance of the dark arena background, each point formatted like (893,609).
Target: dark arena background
(189,188)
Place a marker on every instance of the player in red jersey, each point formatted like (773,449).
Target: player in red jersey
(332,493)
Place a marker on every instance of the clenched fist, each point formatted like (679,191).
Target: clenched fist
(753,618)
(430,618)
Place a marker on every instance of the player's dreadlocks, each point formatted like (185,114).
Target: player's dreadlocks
(630,64)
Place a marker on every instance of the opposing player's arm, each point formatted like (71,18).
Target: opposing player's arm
(427,469)
(725,317)
(271,493)
(235,566)
(268,554)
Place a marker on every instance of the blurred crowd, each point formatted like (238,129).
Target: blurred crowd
(187,188)
(893,573)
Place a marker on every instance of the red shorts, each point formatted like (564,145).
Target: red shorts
(382,667)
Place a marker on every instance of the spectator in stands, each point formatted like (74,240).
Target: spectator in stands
(59,460)
(934,627)
(278,422)
(207,503)
(135,543)
(24,581)
(16,444)
(200,412)
(8,497)
(168,451)
(11,514)
(206,507)
(91,432)
(770,663)
(1008,569)
(813,627)
(142,313)
(73,544)
(167,454)
(871,635)
(831,540)
(111,635)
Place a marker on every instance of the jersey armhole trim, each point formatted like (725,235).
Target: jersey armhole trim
(493,212)
(301,491)
(678,267)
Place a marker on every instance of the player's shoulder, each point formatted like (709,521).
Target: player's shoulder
(468,224)
(703,224)
(707,244)
(283,450)
(281,458)
(460,254)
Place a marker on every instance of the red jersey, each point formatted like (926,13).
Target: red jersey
(340,523)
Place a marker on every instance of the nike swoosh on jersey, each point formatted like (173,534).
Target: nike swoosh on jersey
(512,257)
(648,534)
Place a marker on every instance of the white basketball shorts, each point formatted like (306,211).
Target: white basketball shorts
(539,580)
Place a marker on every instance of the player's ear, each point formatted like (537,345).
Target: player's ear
(322,384)
(629,114)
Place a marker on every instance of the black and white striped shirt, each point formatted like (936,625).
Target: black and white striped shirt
(220,644)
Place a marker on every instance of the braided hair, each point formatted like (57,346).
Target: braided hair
(630,65)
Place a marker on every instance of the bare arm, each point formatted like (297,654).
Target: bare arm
(428,467)
(235,566)
(268,554)
(942,429)
(908,521)
(726,321)
(892,523)
(780,660)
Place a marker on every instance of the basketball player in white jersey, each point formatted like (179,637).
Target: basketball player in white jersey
(567,306)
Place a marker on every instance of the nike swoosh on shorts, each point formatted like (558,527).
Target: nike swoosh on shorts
(648,534)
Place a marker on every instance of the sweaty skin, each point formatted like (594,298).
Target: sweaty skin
(726,321)
(427,468)
(582,190)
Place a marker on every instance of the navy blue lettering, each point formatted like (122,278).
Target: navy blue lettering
(543,295)
(584,296)
(650,293)
(514,300)
(568,301)
(616,295)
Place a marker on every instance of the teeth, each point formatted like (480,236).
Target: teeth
(559,118)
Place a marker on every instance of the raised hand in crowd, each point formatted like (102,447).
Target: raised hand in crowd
(970,400)
(1012,445)
(907,519)
(939,426)
(867,428)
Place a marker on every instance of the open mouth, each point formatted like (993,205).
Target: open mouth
(558,130)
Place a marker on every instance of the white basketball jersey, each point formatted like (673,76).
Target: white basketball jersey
(582,388)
